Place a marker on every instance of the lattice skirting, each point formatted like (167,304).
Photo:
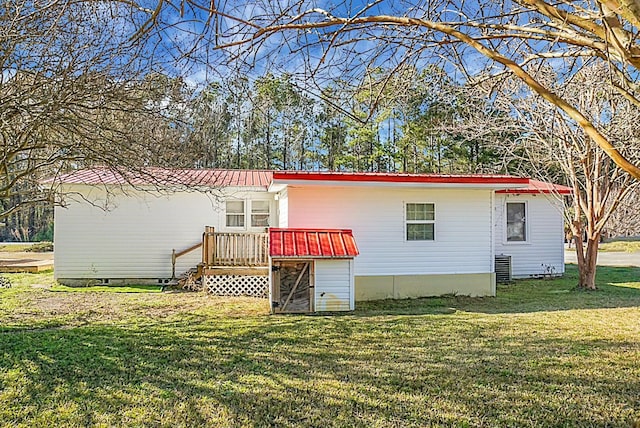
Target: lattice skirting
(237,285)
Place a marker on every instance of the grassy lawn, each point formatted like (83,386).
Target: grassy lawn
(626,246)
(18,248)
(15,248)
(540,354)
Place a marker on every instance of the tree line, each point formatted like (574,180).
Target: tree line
(416,122)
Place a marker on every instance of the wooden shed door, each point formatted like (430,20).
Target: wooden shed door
(292,286)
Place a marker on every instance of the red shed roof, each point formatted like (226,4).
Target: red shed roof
(537,186)
(169,176)
(312,243)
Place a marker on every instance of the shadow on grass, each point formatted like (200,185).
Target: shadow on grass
(618,287)
(309,371)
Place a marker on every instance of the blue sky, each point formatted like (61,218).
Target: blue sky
(179,48)
(298,52)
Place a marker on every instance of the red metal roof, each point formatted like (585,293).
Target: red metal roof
(263,178)
(167,176)
(312,243)
(537,186)
(389,177)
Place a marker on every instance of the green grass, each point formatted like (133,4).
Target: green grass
(540,354)
(39,247)
(17,248)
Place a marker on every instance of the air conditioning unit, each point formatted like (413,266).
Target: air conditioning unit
(503,268)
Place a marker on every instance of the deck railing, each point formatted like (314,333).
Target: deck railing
(175,254)
(241,249)
(228,249)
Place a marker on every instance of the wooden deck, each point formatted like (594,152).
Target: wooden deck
(223,253)
(232,264)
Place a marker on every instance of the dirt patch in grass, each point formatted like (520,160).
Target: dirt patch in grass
(45,303)
(54,308)
(41,286)
(133,288)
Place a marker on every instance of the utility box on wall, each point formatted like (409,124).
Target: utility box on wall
(503,268)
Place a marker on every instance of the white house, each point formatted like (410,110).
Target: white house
(416,234)
(529,227)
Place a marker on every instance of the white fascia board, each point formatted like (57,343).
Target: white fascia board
(277,186)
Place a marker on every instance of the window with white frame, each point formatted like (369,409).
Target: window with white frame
(235,213)
(260,213)
(421,221)
(516,222)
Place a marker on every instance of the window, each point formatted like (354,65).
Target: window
(235,214)
(516,222)
(421,222)
(260,214)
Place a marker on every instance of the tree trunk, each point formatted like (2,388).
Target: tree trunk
(587,261)
(268,145)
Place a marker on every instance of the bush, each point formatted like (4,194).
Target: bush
(44,235)
(40,247)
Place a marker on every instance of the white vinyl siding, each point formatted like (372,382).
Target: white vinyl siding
(543,250)
(334,290)
(283,209)
(135,237)
(377,217)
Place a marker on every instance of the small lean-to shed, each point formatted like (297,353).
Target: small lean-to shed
(311,270)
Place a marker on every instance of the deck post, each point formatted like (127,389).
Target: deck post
(204,247)
(173,263)
(212,241)
(209,246)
